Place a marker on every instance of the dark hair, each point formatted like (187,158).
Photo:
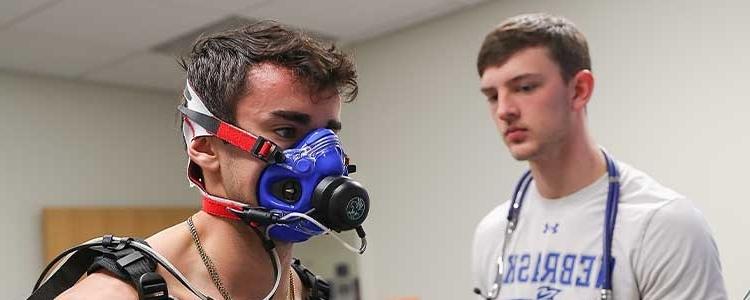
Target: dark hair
(565,43)
(218,64)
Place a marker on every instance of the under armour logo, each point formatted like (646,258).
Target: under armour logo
(547,293)
(551,228)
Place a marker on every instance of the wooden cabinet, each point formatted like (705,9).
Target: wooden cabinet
(64,227)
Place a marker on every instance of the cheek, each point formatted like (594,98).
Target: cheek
(492,109)
(549,113)
(492,106)
(240,175)
(556,120)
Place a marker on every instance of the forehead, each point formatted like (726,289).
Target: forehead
(272,88)
(534,60)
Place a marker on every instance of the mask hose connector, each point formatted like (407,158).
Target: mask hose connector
(326,230)
(258,216)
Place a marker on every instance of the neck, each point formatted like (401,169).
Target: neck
(567,169)
(238,254)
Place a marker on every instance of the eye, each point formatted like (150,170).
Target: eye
(286,132)
(525,88)
(492,98)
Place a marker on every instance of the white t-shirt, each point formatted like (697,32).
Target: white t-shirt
(662,245)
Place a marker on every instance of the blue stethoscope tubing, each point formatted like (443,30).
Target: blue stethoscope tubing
(610,217)
(613,198)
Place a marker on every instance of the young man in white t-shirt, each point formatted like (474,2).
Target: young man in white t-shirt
(536,74)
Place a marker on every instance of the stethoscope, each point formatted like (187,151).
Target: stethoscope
(610,215)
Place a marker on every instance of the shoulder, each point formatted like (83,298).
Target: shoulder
(657,208)
(175,245)
(658,203)
(673,235)
(638,188)
(487,237)
(172,243)
(668,235)
(492,222)
(642,198)
(678,221)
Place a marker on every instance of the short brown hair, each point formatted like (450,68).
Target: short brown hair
(565,43)
(218,64)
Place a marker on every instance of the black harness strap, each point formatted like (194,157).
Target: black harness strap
(131,264)
(116,256)
(127,264)
(66,276)
(319,288)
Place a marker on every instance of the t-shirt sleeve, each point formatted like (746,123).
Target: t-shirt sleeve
(487,237)
(478,257)
(678,258)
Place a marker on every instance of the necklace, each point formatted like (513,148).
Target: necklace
(212,269)
(291,285)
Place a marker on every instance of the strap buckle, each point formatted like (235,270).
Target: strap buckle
(271,155)
(114,243)
(152,287)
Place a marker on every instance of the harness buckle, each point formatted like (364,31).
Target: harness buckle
(152,287)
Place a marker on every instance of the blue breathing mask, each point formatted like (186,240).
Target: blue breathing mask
(304,191)
(312,180)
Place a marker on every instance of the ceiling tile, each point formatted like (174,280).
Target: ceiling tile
(143,70)
(133,24)
(226,6)
(182,44)
(344,18)
(387,25)
(471,2)
(109,40)
(53,55)
(11,9)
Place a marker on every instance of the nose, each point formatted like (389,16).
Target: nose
(506,109)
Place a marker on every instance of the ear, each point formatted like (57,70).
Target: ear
(203,152)
(581,88)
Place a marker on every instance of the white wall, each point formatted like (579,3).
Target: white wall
(670,99)
(68,143)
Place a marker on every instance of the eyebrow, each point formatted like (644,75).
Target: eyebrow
(522,77)
(304,119)
(294,116)
(490,90)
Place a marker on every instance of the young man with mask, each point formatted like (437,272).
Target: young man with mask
(251,93)
(578,207)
